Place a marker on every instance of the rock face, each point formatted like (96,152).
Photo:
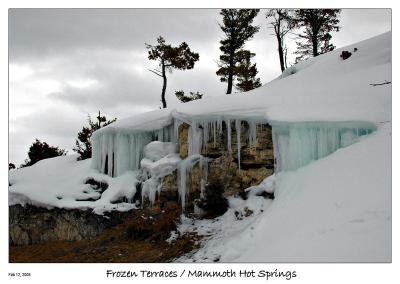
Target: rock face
(32,225)
(256,161)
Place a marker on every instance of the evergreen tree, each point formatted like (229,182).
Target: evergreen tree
(11,166)
(41,150)
(318,25)
(188,98)
(169,58)
(281,23)
(247,72)
(83,145)
(238,29)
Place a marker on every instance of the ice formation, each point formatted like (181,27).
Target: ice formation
(238,126)
(183,171)
(160,159)
(117,151)
(297,144)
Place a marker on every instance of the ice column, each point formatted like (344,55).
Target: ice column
(183,170)
(229,133)
(238,126)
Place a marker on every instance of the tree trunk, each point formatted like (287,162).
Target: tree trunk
(164,88)
(280,51)
(285,57)
(315,45)
(230,72)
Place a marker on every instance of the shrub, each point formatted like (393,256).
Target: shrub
(213,202)
(41,150)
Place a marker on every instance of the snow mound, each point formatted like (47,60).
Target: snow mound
(63,182)
(156,150)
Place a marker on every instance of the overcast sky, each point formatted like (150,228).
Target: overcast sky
(67,63)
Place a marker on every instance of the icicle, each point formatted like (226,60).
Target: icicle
(219,124)
(229,130)
(215,133)
(183,170)
(238,126)
(110,155)
(205,126)
(204,175)
(252,133)
(175,135)
(182,183)
(194,139)
(151,189)
(117,152)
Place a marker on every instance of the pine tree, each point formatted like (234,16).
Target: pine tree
(247,72)
(318,25)
(169,58)
(281,23)
(11,166)
(238,29)
(83,145)
(188,98)
(41,150)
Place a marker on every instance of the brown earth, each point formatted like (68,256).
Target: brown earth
(139,238)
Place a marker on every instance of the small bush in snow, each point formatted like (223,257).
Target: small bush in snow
(41,150)
(345,54)
(213,203)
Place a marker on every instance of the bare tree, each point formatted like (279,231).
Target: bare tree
(281,23)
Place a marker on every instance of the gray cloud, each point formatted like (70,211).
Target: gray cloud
(69,29)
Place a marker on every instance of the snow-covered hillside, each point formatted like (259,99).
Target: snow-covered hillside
(333,207)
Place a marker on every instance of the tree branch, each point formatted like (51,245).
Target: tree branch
(155,72)
(379,84)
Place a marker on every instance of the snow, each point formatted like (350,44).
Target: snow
(154,172)
(267,185)
(325,88)
(60,182)
(157,150)
(337,209)
(161,167)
